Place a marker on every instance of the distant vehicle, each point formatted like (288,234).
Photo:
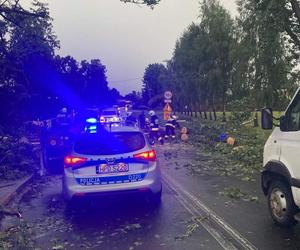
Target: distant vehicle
(111,161)
(88,113)
(123,112)
(110,116)
(281,173)
(124,103)
(56,139)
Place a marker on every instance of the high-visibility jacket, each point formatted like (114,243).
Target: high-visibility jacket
(172,123)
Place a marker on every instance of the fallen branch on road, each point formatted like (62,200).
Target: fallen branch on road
(5,212)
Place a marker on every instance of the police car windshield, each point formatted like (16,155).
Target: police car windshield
(109,143)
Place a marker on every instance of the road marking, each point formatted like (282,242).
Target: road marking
(197,204)
(223,242)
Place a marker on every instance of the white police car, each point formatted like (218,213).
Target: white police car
(116,159)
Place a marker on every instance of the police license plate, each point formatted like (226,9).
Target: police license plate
(116,168)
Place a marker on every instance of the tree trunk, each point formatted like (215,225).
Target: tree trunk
(214,108)
(195,110)
(255,121)
(224,117)
(215,114)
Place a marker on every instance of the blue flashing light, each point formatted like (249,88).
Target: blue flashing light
(91,120)
(93,128)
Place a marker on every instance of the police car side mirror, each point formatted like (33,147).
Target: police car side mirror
(267,118)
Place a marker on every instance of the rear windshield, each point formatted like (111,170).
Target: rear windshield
(109,143)
(109,113)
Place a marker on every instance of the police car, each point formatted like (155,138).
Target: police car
(111,159)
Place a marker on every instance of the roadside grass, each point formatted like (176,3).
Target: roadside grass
(243,159)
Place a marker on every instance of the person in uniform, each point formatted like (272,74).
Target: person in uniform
(63,119)
(170,126)
(154,128)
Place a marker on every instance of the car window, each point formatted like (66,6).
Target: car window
(109,143)
(293,115)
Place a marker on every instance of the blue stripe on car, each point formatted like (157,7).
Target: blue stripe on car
(110,179)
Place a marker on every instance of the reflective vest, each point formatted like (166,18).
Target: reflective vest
(172,123)
(154,123)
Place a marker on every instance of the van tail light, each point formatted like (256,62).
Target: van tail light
(148,155)
(72,161)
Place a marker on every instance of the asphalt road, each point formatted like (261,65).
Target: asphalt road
(193,215)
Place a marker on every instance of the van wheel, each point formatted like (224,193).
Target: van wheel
(281,204)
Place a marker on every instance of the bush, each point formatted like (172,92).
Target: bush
(17,159)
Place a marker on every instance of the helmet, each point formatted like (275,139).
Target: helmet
(151,112)
(64,110)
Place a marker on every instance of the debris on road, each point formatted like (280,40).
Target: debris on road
(191,228)
(233,193)
(9,212)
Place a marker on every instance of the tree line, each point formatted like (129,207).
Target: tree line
(224,63)
(34,81)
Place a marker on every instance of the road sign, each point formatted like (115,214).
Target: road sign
(168,101)
(168,95)
(167,111)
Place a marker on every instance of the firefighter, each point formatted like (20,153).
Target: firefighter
(63,120)
(63,117)
(170,126)
(154,128)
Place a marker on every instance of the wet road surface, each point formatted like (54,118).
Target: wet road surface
(192,215)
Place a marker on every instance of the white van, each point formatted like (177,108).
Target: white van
(280,177)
